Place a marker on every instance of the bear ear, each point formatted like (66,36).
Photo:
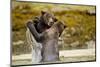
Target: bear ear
(43,12)
(55,19)
(65,26)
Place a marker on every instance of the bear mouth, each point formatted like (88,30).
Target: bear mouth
(50,23)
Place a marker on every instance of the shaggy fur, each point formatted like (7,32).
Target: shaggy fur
(49,40)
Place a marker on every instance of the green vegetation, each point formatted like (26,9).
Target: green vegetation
(80,20)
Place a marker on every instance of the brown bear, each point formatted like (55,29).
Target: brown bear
(49,40)
(41,23)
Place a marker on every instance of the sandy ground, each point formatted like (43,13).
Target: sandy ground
(65,56)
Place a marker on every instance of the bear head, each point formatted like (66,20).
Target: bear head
(47,18)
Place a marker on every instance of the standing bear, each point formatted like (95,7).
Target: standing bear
(41,23)
(49,40)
